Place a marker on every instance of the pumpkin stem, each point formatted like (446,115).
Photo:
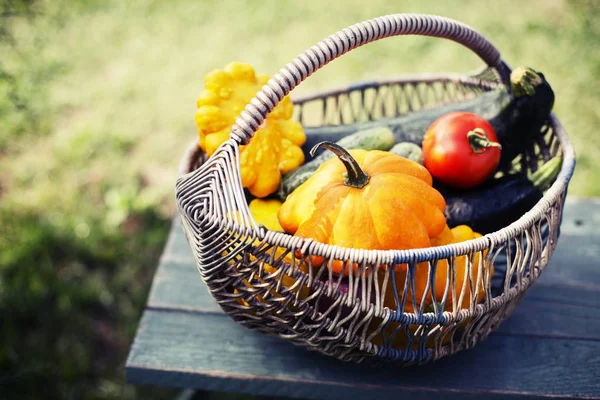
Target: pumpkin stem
(355,176)
(479,141)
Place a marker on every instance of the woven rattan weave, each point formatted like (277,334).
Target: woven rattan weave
(246,266)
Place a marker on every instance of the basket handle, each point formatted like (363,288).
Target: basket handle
(351,38)
(211,197)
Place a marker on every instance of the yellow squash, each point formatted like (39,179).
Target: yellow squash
(457,234)
(264,212)
(276,147)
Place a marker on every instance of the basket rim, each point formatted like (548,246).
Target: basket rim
(193,154)
(469,79)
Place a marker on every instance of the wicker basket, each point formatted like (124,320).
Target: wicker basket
(248,269)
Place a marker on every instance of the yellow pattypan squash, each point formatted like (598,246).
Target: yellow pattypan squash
(457,234)
(460,233)
(264,212)
(276,147)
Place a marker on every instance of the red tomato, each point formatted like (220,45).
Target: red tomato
(461,149)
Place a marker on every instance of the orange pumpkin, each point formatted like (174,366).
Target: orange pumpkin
(365,199)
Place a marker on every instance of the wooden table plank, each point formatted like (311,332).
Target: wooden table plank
(210,352)
(573,275)
(550,319)
(581,216)
(178,286)
(558,324)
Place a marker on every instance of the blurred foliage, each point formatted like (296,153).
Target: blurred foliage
(75,267)
(96,107)
(24,98)
(70,297)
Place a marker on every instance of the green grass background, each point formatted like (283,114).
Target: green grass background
(97,102)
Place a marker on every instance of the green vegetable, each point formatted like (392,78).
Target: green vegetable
(517,113)
(409,150)
(377,138)
(546,174)
(498,202)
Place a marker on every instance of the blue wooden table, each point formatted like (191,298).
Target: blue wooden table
(548,348)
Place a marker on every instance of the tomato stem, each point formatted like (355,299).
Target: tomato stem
(480,141)
(355,176)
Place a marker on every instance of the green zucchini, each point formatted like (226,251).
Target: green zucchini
(499,202)
(409,150)
(516,112)
(378,138)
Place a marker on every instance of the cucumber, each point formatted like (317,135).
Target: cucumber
(410,151)
(377,138)
(517,113)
